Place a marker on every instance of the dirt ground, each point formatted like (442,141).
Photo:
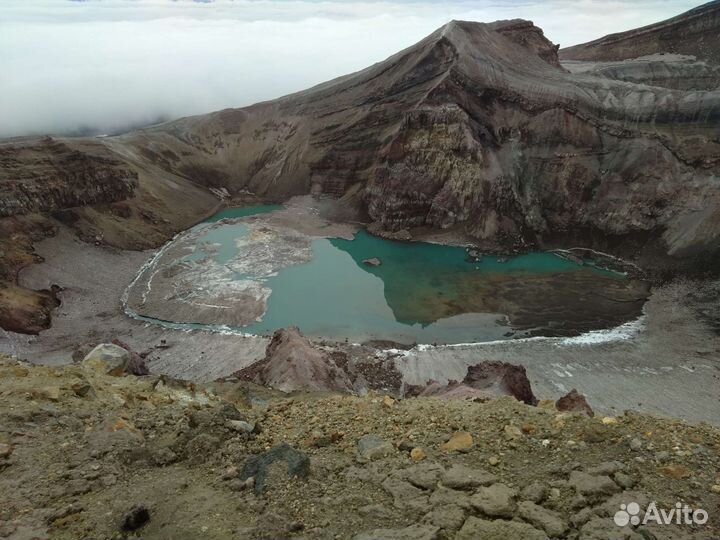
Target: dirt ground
(87,455)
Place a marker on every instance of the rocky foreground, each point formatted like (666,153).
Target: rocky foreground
(89,451)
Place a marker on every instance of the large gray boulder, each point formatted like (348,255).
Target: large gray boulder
(109,358)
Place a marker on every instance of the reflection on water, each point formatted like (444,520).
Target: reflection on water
(423,293)
(429,293)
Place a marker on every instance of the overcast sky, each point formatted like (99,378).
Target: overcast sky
(68,65)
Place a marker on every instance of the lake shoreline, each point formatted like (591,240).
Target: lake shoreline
(669,367)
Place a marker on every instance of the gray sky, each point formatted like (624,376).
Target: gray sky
(107,64)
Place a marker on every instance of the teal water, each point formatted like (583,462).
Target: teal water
(418,294)
(421,293)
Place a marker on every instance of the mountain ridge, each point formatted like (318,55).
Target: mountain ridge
(687,33)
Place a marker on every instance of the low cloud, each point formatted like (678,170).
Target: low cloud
(106,65)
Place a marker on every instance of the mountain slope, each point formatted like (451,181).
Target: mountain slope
(695,32)
(477,129)
(477,126)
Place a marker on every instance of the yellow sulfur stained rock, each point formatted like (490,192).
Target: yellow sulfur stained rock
(678,472)
(461,441)
(417,454)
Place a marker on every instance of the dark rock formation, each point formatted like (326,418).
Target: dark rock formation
(292,363)
(26,311)
(298,465)
(137,517)
(695,32)
(574,401)
(136,365)
(483,381)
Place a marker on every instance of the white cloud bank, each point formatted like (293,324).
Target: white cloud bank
(108,64)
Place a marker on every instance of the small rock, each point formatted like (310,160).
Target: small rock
(388,402)
(443,496)
(535,492)
(448,517)
(374,261)
(417,454)
(81,389)
(592,486)
(406,496)
(241,426)
(50,393)
(494,461)
(636,445)
(424,475)
(462,477)
(715,488)
(372,447)
(582,517)
(137,517)
(230,473)
(546,520)
(6,450)
(662,456)
(624,480)
(460,441)
(512,432)
(108,480)
(236,484)
(678,472)
(498,529)
(609,420)
(497,500)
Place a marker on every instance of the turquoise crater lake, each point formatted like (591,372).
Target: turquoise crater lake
(420,293)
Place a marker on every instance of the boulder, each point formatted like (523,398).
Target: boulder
(109,358)
(372,262)
(372,447)
(483,381)
(292,363)
(574,401)
(298,465)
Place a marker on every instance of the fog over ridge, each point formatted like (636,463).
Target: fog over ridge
(102,66)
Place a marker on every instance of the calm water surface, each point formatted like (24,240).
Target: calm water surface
(426,293)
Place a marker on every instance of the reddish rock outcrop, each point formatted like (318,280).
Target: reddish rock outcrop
(574,401)
(483,381)
(292,363)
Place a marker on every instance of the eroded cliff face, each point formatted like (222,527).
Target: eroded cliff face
(48,175)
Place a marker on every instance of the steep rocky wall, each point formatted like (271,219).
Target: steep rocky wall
(48,175)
